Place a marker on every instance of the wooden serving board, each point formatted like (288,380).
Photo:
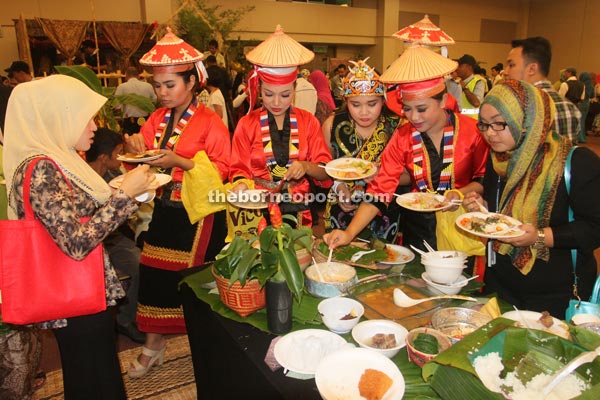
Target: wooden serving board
(320,257)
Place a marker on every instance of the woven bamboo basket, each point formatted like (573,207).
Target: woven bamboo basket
(244,300)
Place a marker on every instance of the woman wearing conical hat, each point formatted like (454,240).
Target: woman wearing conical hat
(442,151)
(278,141)
(361,130)
(185,230)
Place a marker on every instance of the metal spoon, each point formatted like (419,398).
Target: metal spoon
(401,299)
(575,363)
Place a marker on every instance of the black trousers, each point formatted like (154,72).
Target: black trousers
(88,354)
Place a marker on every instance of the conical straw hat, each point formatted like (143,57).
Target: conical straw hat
(418,64)
(171,50)
(280,50)
(424,32)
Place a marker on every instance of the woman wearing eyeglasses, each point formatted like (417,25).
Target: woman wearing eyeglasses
(525,179)
(441,151)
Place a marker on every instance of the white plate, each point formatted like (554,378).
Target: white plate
(511,230)
(530,319)
(152,155)
(412,201)
(403,255)
(252,199)
(161,179)
(302,351)
(360,168)
(338,374)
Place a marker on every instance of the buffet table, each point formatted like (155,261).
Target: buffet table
(228,351)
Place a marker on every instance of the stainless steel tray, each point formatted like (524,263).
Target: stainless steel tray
(376,295)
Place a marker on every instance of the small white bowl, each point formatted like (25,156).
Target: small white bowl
(580,319)
(452,288)
(334,309)
(442,273)
(363,335)
(449,256)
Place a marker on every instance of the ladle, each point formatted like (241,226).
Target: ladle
(583,358)
(401,299)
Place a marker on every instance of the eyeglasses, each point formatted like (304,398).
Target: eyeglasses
(496,126)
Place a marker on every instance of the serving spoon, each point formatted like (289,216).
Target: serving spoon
(401,299)
(583,358)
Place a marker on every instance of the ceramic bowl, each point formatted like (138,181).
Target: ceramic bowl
(336,312)
(452,288)
(419,357)
(448,256)
(333,280)
(440,272)
(457,322)
(364,332)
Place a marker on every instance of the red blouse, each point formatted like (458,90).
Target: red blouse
(470,155)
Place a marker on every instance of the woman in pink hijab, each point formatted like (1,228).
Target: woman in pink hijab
(325,104)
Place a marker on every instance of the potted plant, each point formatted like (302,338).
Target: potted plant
(273,263)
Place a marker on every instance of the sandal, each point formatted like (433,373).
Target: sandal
(39,379)
(137,370)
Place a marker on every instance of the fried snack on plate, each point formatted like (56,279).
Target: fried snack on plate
(374,384)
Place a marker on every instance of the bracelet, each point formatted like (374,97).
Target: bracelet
(539,242)
(458,192)
(335,185)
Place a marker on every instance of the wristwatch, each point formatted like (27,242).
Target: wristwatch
(539,242)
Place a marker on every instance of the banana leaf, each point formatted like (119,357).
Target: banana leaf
(452,376)
(84,74)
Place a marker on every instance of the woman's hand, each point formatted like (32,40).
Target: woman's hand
(295,171)
(337,238)
(137,181)
(240,187)
(344,198)
(171,159)
(134,143)
(450,195)
(472,201)
(527,239)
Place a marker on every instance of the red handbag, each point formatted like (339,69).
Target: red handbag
(38,281)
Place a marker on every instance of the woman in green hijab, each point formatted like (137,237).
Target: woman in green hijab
(524,179)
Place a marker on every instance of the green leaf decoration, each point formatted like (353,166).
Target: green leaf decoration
(84,74)
(292,272)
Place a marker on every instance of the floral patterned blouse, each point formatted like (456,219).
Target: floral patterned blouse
(59,211)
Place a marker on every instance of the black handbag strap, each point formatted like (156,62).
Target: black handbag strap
(27,185)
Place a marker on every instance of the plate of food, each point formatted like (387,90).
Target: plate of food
(358,374)
(423,202)
(301,351)
(252,199)
(542,321)
(350,169)
(490,225)
(397,255)
(147,155)
(161,179)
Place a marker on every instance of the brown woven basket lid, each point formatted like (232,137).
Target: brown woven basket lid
(424,32)
(279,50)
(418,64)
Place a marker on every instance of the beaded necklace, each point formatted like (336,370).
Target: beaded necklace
(275,169)
(422,164)
(179,128)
